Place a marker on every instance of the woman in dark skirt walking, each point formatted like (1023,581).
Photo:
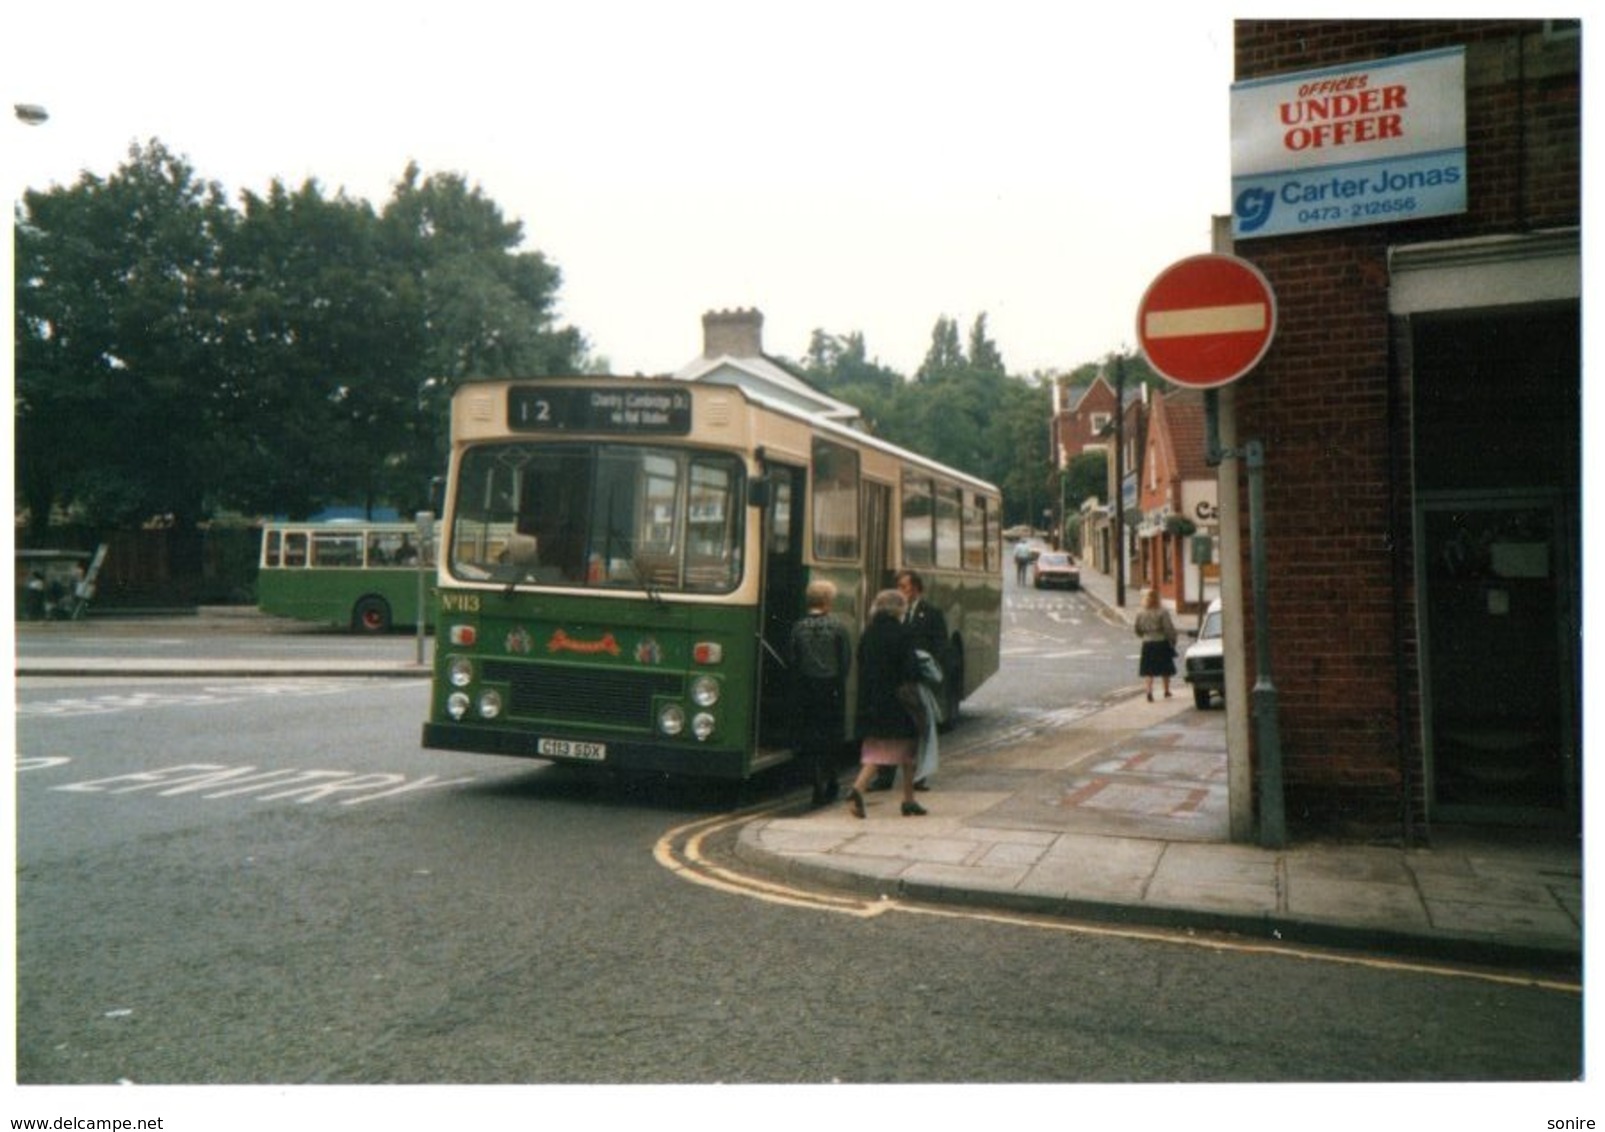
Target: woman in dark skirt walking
(1158,633)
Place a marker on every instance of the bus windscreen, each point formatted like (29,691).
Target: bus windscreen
(608,515)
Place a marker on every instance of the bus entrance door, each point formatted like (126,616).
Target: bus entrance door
(782,605)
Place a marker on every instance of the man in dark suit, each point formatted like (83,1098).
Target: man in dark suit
(929,629)
(925,622)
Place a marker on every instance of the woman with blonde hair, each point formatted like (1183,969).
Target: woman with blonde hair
(1158,633)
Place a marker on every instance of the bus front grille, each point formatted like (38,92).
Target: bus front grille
(581,695)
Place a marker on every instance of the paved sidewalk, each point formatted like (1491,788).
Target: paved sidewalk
(1121,816)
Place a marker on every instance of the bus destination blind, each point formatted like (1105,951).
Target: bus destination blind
(560,409)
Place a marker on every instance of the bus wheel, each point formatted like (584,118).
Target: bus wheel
(372,615)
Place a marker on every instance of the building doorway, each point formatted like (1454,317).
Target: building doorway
(1497,468)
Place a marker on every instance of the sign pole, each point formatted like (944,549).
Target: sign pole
(425,521)
(1204,323)
(1272,820)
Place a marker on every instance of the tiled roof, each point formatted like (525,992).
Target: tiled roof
(1184,418)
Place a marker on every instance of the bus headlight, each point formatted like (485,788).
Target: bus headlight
(702,725)
(457,704)
(490,703)
(671,719)
(460,672)
(705,691)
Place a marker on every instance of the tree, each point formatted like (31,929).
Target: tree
(842,362)
(1086,478)
(953,400)
(473,307)
(973,417)
(173,355)
(482,308)
(984,355)
(946,354)
(119,304)
(321,382)
(1017,442)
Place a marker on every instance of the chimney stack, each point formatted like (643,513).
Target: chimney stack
(737,333)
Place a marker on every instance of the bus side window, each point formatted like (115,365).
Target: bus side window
(949,528)
(919,520)
(975,540)
(336,548)
(270,551)
(295,548)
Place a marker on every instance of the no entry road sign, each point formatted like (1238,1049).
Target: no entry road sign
(1206,320)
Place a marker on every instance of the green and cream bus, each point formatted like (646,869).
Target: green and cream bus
(621,561)
(363,576)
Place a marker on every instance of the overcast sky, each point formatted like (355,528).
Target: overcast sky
(847,166)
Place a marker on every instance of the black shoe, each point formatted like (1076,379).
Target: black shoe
(921,784)
(913,810)
(855,803)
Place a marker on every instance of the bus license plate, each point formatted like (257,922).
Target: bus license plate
(564,749)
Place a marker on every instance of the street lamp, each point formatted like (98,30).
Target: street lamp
(31,113)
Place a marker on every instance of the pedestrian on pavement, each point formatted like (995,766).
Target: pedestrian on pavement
(1022,559)
(820,658)
(1158,633)
(887,732)
(928,628)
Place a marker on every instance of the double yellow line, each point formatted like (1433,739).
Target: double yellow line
(682,851)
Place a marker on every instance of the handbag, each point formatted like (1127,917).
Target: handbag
(908,695)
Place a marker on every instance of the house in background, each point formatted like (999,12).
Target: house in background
(1089,425)
(1177,498)
(1081,425)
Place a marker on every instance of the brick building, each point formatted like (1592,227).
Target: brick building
(1087,423)
(1081,420)
(1176,496)
(1081,424)
(1420,415)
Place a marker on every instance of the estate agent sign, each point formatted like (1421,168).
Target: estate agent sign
(1368,143)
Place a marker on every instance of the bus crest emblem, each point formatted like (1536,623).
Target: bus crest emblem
(520,642)
(648,651)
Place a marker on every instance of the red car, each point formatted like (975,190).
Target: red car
(1055,568)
